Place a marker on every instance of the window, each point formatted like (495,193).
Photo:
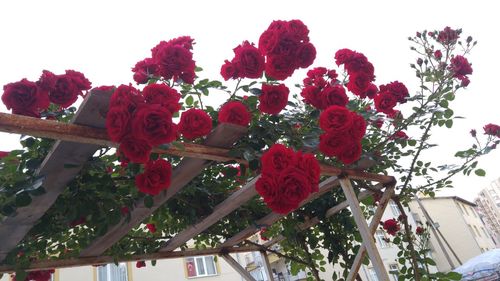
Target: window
(473,212)
(393,271)
(112,272)
(373,274)
(485,233)
(381,239)
(394,208)
(477,231)
(201,266)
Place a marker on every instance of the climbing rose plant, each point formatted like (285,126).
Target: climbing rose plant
(338,115)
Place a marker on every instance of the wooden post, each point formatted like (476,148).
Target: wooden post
(358,260)
(267,265)
(236,266)
(363,229)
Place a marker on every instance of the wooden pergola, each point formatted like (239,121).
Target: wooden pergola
(85,134)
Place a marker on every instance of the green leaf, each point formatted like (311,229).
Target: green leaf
(454,275)
(412,142)
(23,199)
(444,103)
(449,123)
(21,274)
(189,100)
(448,113)
(148,201)
(255,91)
(480,172)
(430,261)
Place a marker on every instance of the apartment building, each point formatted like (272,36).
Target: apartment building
(488,208)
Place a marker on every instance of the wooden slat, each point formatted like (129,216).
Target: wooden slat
(57,176)
(271,218)
(236,266)
(360,220)
(70,132)
(267,265)
(85,261)
(374,223)
(224,135)
(231,203)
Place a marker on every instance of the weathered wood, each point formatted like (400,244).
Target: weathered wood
(231,203)
(85,261)
(98,136)
(267,265)
(57,176)
(271,218)
(236,266)
(374,223)
(223,135)
(367,237)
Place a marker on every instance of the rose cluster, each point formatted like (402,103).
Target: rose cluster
(287,178)
(286,47)
(460,68)
(32,98)
(39,275)
(391,226)
(248,62)
(492,130)
(170,60)
(389,96)
(344,131)
(360,71)
(322,89)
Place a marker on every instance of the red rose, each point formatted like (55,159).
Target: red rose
(135,150)
(25,96)
(396,89)
(349,152)
(151,227)
(343,55)
(263,235)
(47,80)
(248,60)
(173,60)
(144,69)
(104,89)
(336,118)
(68,87)
(276,159)
(298,29)
(79,80)
(419,230)
(359,83)
(399,135)
(391,226)
(228,70)
(267,187)
(281,206)
(311,95)
(331,142)
(184,41)
(358,128)
(4,154)
(306,55)
(280,67)
(359,63)
(273,98)
(317,72)
(234,112)
(126,96)
(268,39)
(118,123)
(154,124)
(163,95)
(492,130)
(385,102)
(309,164)
(448,36)
(140,264)
(333,95)
(155,178)
(438,55)
(195,123)
(294,186)
(371,91)
(460,66)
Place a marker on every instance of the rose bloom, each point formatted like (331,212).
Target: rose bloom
(492,130)
(280,67)
(336,118)
(331,142)
(396,89)
(195,123)
(276,159)
(343,55)
(311,95)
(438,54)
(163,95)
(391,226)
(358,128)
(249,61)
(135,150)
(308,163)
(306,55)
(419,230)
(4,154)
(234,112)
(460,66)
(151,227)
(294,185)
(155,178)
(333,95)
(228,70)
(68,87)
(25,96)
(349,152)
(118,123)
(154,124)
(140,264)
(371,91)
(358,84)
(144,69)
(385,102)
(267,187)
(126,96)
(173,61)
(448,36)
(273,98)
(47,80)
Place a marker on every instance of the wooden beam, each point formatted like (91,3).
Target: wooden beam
(224,135)
(267,265)
(374,223)
(57,176)
(90,135)
(271,218)
(86,261)
(363,229)
(236,266)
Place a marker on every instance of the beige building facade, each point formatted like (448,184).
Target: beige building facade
(488,207)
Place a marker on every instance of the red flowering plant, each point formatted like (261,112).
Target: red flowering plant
(339,115)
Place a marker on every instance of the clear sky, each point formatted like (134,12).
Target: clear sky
(104,39)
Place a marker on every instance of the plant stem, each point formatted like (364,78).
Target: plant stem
(407,233)
(310,261)
(297,260)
